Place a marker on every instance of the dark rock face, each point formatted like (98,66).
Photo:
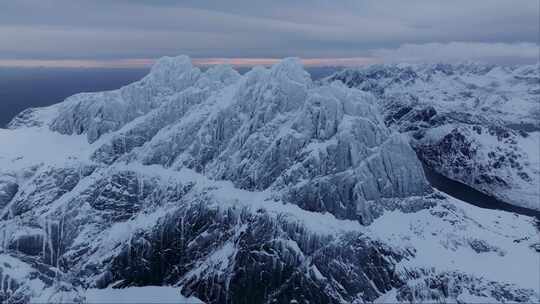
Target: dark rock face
(25,119)
(8,189)
(29,244)
(482,246)
(259,260)
(451,284)
(120,195)
(47,186)
(454,144)
(460,156)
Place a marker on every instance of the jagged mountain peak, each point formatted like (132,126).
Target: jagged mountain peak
(292,69)
(177,64)
(176,73)
(256,188)
(222,73)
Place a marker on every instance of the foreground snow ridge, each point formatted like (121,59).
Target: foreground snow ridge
(215,187)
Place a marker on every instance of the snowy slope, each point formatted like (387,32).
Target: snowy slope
(498,93)
(477,124)
(259,188)
(146,294)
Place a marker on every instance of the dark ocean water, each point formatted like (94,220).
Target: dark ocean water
(25,88)
(22,88)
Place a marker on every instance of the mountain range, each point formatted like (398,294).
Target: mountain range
(269,187)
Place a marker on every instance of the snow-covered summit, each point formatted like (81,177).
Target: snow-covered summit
(170,69)
(257,188)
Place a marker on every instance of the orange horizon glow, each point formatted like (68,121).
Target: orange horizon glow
(148,62)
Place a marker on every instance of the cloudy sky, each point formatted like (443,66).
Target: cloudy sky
(323,32)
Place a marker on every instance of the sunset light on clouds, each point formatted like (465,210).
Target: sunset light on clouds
(147,62)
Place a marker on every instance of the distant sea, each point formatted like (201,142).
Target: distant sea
(22,88)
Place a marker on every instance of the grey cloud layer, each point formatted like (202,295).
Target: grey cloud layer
(510,53)
(48,29)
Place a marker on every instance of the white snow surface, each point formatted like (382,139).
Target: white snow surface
(128,295)
(445,243)
(27,147)
(145,294)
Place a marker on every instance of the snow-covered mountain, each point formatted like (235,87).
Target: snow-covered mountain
(256,188)
(477,124)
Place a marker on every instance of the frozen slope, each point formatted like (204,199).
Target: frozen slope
(477,124)
(258,188)
(498,93)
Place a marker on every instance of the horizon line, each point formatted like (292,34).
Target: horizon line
(209,61)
